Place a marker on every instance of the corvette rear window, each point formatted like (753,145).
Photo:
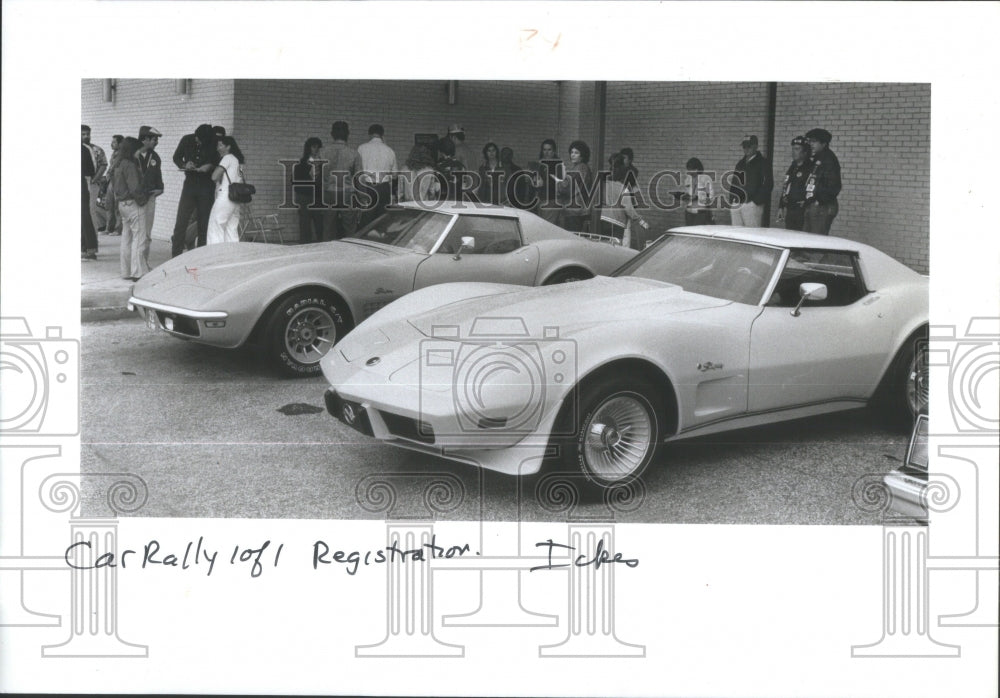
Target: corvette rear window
(412,230)
(726,269)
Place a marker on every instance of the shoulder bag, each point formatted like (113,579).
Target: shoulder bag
(240,192)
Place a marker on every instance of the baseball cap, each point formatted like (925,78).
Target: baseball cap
(800,140)
(145,131)
(455,128)
(749,140)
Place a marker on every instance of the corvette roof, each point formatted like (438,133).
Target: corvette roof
(778,237)
(464,207)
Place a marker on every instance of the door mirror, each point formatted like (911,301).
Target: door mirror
(468,243)
(811,292)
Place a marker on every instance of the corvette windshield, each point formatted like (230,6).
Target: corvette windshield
(407,228)
(734,271)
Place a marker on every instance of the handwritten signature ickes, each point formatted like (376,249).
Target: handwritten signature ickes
(199,556)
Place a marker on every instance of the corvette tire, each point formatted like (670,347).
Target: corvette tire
(300,331)
(618,426)
(904,391)
(566,276)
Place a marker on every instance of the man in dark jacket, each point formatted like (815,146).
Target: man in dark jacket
(791,208)
(823,184)
(752,185)
(197,157)
(88,236)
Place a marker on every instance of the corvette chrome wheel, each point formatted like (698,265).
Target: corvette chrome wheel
(904,391)
(916,385)
(309,335)
(301,330)
(618,437)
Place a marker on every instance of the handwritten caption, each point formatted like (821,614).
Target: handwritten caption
(199,556)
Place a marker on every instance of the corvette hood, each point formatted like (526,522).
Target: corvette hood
(221,267)
(528,311)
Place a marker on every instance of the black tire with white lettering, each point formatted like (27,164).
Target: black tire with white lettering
(300,331)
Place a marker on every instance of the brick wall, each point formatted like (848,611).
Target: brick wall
(881,135)
(273,118)
(666,123)
(155,103)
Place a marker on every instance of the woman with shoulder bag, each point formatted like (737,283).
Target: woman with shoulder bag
(224,221)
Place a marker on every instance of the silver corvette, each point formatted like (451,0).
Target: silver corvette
(710,329)
(297,302)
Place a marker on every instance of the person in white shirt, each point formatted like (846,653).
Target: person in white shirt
(699,193)
(224,222)
(378,165)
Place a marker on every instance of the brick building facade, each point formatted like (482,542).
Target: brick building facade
(881,132)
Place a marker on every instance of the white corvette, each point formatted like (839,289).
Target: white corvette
(710,329)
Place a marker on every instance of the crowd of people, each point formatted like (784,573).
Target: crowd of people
(119,195)
(338,189)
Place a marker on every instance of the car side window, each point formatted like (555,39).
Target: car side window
(490,235)
(837,270)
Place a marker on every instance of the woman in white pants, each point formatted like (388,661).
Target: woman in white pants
(224,222)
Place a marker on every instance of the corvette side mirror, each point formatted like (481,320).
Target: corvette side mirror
(812,292)
(468,243)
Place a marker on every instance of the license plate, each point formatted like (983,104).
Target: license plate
(151,319)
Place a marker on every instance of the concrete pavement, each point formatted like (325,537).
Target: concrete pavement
(103,291)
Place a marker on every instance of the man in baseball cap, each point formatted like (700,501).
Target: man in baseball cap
(823,184)
(151,167)
(462,153)
(791,207)
(752,187)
